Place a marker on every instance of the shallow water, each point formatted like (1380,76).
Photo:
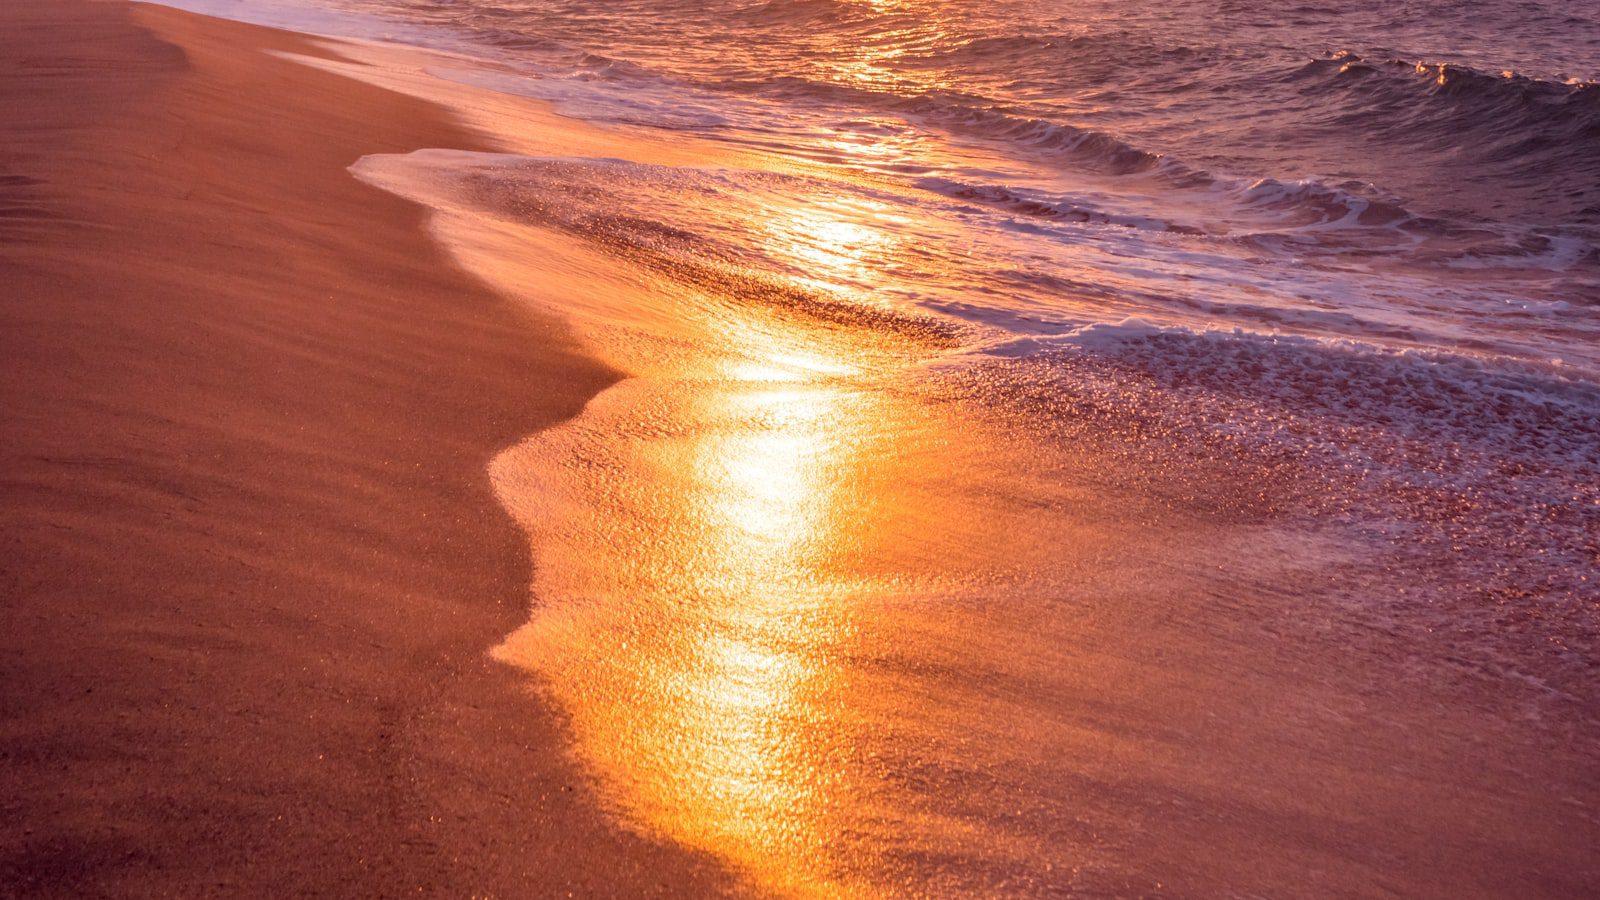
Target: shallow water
(1065,449)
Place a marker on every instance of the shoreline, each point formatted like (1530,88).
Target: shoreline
(253,561)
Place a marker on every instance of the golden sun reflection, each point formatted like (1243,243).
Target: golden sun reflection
(705,552)
(837,246)
(767,509)
(870,65)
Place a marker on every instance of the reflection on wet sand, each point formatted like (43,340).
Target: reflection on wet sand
(704,662)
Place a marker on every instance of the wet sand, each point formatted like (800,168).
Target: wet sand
(251,560)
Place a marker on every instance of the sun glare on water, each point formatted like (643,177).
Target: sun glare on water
(704,648)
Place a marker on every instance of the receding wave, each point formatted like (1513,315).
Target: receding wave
(1056,207)
(592,200)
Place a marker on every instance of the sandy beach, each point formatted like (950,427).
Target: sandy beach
(252,563)
(408,490)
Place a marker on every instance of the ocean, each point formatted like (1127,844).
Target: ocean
(1414,177)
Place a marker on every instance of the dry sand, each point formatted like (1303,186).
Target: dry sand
(249,556)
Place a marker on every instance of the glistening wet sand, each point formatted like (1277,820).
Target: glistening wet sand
(251,560)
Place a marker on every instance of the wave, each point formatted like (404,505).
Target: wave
(1306,203)
(1526,149)
(1313,203)
(1046,206)
(1517,148)
(1347,220)
(1459,80)
(598,201)
(1077,58)
(1541,135)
